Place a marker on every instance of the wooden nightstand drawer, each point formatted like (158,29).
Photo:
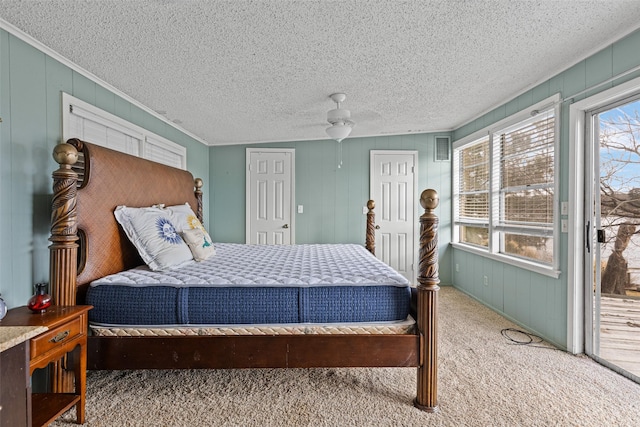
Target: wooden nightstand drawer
(56,337)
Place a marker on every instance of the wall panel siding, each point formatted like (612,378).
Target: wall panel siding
(105,100)
(357,165)
(6,269)
(122,108)
(59,80)
(83,88)
(497,287)
(27,143)
(625,56)
(599,68)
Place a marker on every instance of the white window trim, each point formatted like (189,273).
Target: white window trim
(98,115)
(490,252)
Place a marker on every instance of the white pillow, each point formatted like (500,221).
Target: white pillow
(154,234)
(199,242)
(185,219)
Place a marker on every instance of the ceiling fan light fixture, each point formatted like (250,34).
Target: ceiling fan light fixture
(339,118)
(339,131)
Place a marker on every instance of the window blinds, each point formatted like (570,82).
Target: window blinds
(474,182)
(527,172)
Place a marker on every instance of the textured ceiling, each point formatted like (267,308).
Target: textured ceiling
(257,71)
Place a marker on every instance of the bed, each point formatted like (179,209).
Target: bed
(383,322)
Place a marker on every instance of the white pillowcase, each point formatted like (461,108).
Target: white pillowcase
(155,235)
(199,242)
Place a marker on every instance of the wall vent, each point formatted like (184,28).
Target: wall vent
(442,153)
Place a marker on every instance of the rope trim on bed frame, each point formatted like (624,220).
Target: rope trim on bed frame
(109,331)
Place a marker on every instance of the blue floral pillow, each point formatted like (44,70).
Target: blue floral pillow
(154,234)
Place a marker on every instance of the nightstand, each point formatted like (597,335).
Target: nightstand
(66,336)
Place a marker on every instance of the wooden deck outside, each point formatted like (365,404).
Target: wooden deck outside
(620,332)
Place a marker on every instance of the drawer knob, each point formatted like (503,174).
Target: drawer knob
(62,335)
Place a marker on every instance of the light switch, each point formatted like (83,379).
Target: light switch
(300,209)
(564,208)
(564,225)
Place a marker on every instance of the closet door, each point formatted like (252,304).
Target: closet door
(270,197)
(393,188)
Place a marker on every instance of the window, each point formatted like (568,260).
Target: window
(473,194)
(89,123)
(505,191)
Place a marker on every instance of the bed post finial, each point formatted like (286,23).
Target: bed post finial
(428,280)
(198,192)
(64,227)
(370,239)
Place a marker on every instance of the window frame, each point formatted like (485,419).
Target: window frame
(72,106)
(496,230)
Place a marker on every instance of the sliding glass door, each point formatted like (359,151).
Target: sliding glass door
(613,236)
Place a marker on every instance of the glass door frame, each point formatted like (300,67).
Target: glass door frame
(593,221)
(576,248)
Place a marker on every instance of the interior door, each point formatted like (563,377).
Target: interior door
(393,188)
(613,241)
(270,187)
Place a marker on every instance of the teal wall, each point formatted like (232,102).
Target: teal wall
(530,299)
(30,107)
(332,197)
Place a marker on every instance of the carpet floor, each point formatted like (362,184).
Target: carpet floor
(484,380)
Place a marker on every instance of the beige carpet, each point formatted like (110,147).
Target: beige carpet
(484,380)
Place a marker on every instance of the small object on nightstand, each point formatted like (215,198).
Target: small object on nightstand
(3,307)
(41,300)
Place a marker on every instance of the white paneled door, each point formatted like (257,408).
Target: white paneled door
(393,188)
(270,186)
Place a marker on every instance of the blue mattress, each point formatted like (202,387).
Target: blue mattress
(255,284)
(168,305)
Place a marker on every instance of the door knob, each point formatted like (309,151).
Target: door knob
(377,227)
(285,226)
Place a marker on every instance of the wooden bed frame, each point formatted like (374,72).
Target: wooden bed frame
(88,244)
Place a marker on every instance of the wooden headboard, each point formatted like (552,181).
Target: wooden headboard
(99,181)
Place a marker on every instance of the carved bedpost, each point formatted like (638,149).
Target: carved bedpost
(63,251)
(64,228)
(198,192)
(427,396)
(370,242)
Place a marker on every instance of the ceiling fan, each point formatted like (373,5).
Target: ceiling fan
(339,118)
